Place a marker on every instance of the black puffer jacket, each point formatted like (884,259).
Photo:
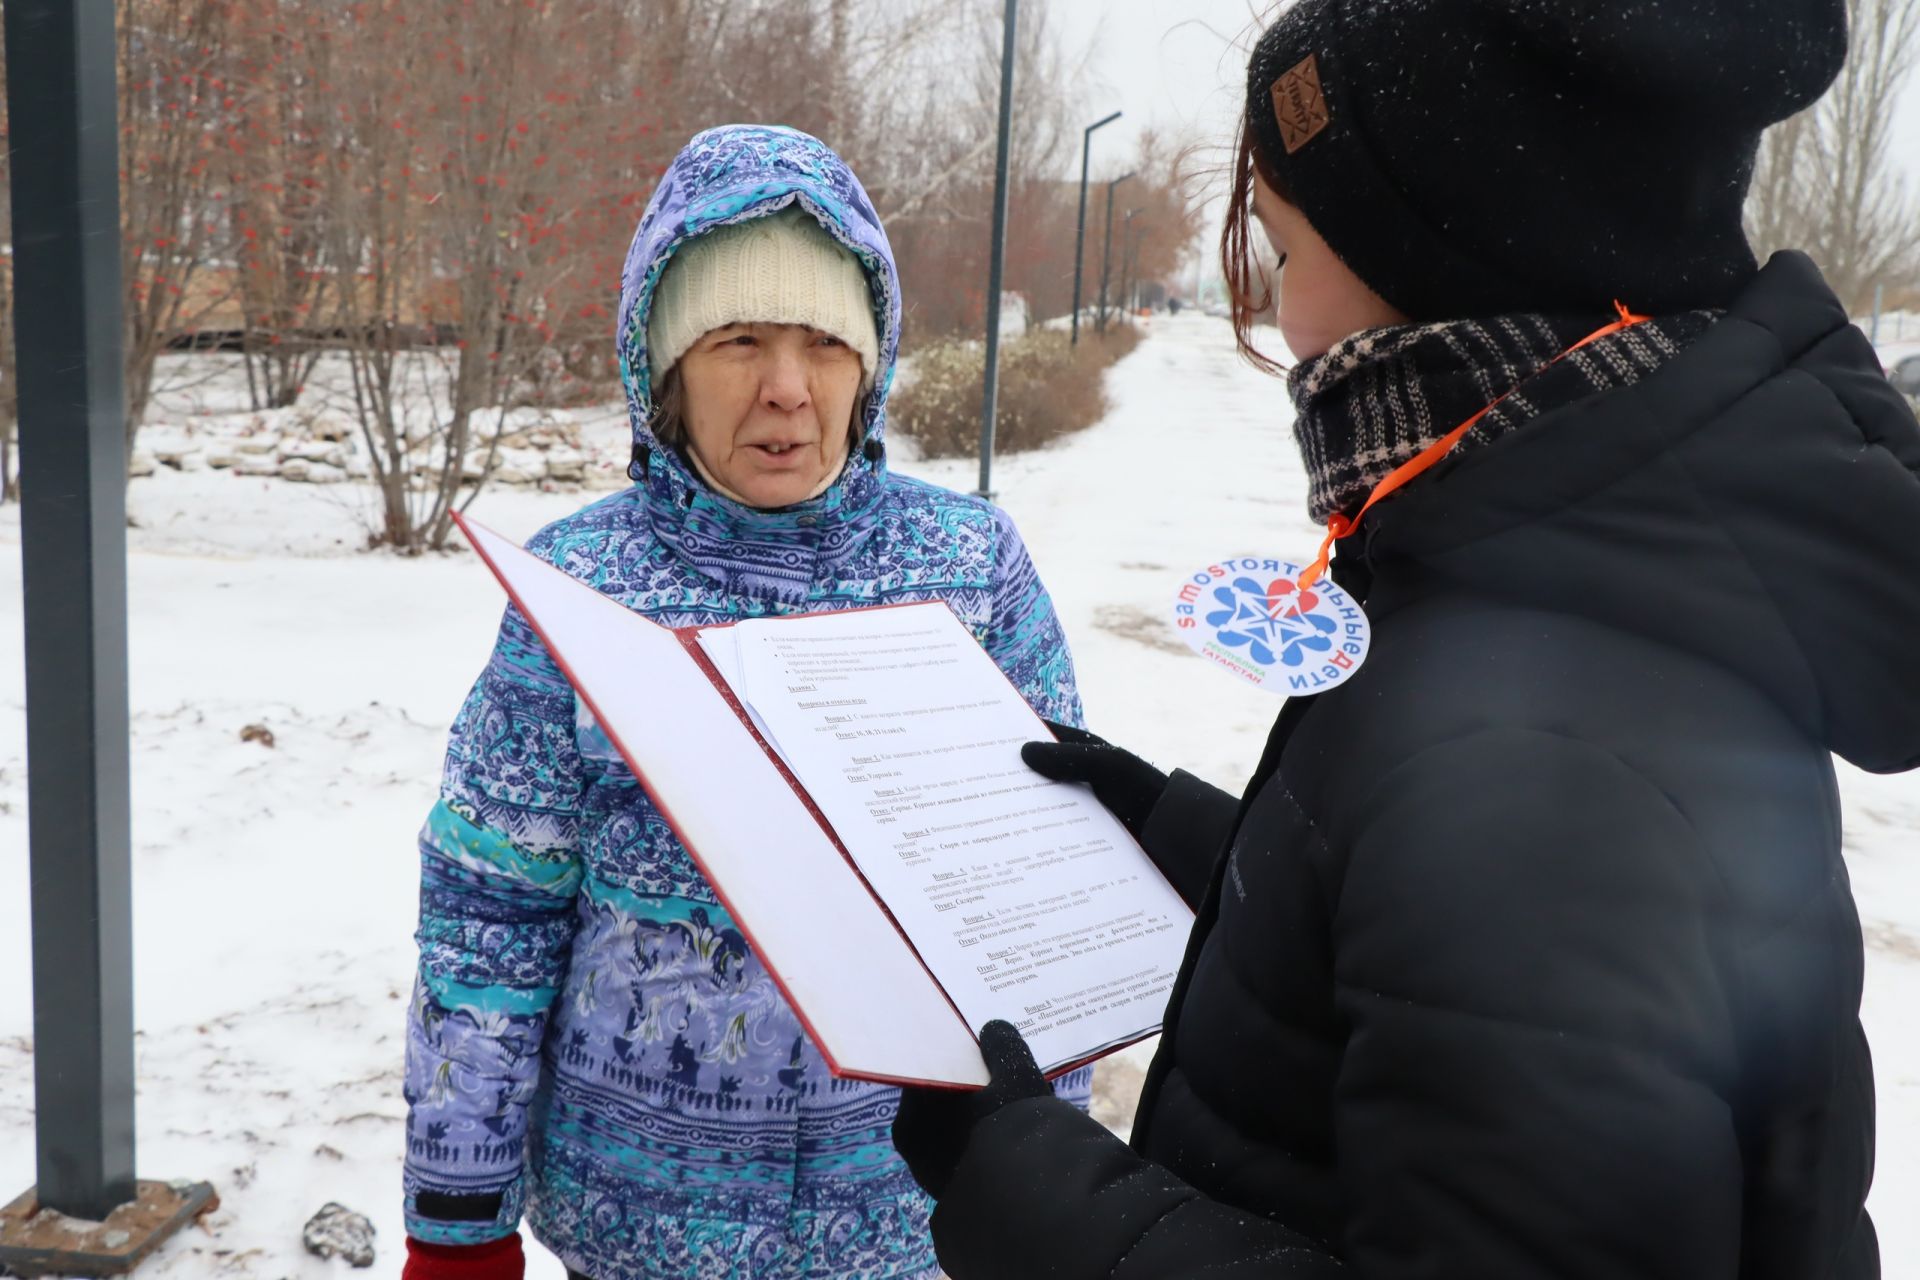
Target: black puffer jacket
(1533,954)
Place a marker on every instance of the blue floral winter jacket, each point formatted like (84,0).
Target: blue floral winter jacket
(591,1042)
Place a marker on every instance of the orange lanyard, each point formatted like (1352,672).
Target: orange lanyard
(1340,526)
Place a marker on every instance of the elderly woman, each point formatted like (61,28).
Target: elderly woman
(591,1040)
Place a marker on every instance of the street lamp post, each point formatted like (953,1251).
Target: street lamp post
(73,525)
(1106,252)
(991,390)
(1129,288)
(73,530)
(1080,233)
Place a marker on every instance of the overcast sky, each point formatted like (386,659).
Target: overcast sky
(1172,64)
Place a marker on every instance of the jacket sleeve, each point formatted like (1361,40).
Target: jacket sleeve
(498,874)
(1538,1059)
(1186,832)
(1528,950)
(1045,1193)
(1024,636)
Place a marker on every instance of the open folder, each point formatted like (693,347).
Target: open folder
(850,784)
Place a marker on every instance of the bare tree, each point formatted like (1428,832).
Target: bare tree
(1825,181)
(9,367)
(275,163)
(373,236)
(447,187)
(926,154)
(174,103)
(878,81)
(469,212)
(1169,216)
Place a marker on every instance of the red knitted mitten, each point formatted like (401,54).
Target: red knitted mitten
(495,1260)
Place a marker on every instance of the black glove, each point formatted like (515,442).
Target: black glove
(1189,819)
(933,1126)
(1127,785)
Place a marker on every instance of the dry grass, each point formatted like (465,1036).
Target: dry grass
(1048,388)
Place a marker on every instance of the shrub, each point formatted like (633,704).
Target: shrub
(1048,388)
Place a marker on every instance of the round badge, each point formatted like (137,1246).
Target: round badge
(1248,617)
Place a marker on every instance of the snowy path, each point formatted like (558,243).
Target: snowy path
(275,888)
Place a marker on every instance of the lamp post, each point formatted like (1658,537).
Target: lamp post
(73,531)
(1128,288)
(1106,252)
(66,221)
(991,391)
(1080,233)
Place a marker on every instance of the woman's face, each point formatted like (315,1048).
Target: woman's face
(769,407)
(1321,300)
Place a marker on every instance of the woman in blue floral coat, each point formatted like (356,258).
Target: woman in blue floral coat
(591,1042)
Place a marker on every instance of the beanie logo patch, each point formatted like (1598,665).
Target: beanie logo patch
(1300,105)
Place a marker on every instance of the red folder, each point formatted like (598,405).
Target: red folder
(859,986)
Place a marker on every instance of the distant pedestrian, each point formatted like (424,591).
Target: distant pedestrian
(592,1040)
(1529,951)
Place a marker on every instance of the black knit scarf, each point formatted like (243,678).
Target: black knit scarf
(1380,397)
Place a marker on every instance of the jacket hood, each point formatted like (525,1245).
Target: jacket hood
(1756,501)
(725,175)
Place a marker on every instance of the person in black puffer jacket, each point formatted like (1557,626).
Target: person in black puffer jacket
(1530,951)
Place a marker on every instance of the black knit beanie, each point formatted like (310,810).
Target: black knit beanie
(1472,158)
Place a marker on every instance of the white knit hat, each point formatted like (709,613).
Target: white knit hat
(780,269)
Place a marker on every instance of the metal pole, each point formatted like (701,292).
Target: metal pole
(1129,287)
(990,400)
(1133,267)
(66,242)
(1879,291)
(1080,232)
(1106,253)
(1100,321)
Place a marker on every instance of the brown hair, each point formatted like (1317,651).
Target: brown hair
(1249,289)
(669,420)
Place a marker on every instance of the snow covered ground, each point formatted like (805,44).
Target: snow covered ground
(275,886)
